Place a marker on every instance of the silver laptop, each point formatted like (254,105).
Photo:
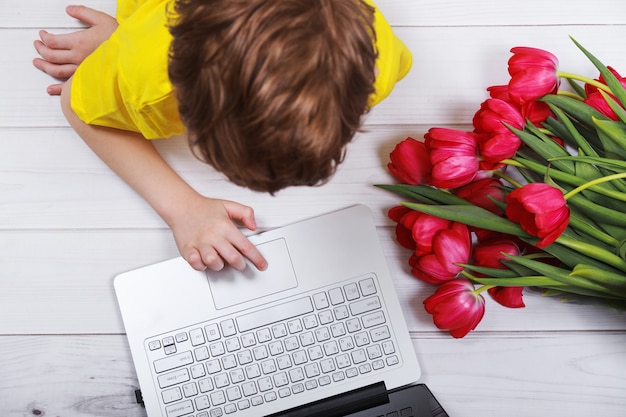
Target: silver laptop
(320,332)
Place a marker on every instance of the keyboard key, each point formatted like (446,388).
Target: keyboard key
(295,326)
(168,341)
(197,337)
(190,390)
(206,385)
(237,376)
(221,380)
(373,319)
(202,402)
(197,371)
(380,333)
(218,398)
(181,337)
(310,321)
(154,345)
(367,287)
(228,328)
(336,296)
(249,388)
(279,330)
(320,300)
(248,340)
(171,395)
(276,348)
(213,366)
(180,409)
(233,344)
(212,332)
(365,305)
(201,353)
(173,378)
(352,291)
(233,393)
(325,317)
(217,348)
(264,335)
(275,314)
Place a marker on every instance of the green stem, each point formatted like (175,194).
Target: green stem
(568,94)
(586,80)
(594,182)
(507,178)
(593,251)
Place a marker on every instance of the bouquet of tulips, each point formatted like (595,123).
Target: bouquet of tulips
(534,196)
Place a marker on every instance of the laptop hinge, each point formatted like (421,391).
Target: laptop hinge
(342,404)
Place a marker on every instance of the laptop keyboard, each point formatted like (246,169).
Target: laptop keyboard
(241,362)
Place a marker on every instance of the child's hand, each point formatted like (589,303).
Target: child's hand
(61,54)
(207,237)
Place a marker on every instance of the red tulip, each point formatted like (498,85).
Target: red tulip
(410,162)
(450,247)
(535,111)
(598,102)
(540,209)
(533,74)
(499,146)
(590,89)
(490,255)
(405,219)
(492,115)
(456,307)
(453,154)
(508,296)
(478,193)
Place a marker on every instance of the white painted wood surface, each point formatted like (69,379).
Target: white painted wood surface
(68,225)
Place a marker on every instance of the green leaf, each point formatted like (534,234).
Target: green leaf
(471,215)
(424,194)
(528,281)
(543,145)
(617,109)
(602,277)
(562,275)
(613,137)
(577,88)
(566,177)
(596,211)
(616,87)
(578,110)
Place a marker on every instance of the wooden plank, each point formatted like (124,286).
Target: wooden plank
(50,179)
(29,13)
(492,376)
(61,282)
(452,68)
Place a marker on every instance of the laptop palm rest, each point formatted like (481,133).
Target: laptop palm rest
(230,287)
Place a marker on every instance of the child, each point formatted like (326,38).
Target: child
(268,92)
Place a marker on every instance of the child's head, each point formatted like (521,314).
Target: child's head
(272,91)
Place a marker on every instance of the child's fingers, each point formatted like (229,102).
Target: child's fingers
(60,71)
(194,259)
(86,14)
(56,56)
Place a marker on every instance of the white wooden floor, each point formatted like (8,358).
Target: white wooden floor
(68,225)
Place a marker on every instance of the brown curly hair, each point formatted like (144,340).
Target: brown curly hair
(272,91)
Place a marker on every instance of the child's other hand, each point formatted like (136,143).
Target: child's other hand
(207,237)
(61,54)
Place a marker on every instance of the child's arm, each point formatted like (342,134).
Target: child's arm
(203,228)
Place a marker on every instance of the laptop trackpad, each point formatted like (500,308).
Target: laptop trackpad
(230,287)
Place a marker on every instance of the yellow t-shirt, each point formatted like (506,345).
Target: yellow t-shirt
(124,83)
